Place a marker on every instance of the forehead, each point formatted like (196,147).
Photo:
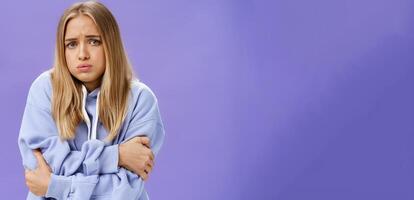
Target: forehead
(81,25)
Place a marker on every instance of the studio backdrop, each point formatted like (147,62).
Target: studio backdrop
(282,99)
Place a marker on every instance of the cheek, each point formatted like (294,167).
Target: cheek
(100,58)
(69,59)
(101,55)
(71,63)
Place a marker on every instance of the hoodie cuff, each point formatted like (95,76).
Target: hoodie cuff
(59,187)
(108,161)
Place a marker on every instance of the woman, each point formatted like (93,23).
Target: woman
(89,129)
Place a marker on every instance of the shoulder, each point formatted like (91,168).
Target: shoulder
(42,82)
(40,91)
(141,92)
(144,103)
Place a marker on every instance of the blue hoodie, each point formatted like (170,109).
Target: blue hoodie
(86,167)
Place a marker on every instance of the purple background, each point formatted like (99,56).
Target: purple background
(283,99)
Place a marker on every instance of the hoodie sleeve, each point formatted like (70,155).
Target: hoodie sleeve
(146,121)
(38,131)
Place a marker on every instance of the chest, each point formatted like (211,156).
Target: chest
(93,128)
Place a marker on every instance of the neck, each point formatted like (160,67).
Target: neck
(91,86)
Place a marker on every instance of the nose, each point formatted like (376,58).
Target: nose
(83,53)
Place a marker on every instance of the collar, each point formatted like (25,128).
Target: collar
(92,94)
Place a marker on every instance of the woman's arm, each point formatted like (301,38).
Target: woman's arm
(38,180)
(145,119)
(38,131)
(133,153)
(94,157)
(125,184)
(136,156)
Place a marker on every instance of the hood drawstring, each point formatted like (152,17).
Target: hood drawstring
(91,134)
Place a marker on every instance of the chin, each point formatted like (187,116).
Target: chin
(85,79)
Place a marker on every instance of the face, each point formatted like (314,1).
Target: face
(84,52)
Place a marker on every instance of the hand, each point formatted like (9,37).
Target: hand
(136,156)
(38,179)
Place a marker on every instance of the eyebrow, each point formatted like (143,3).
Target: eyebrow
(87,36)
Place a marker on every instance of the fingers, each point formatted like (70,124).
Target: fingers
(147,172)
(40,159)
(142,140)
(143,175)
(148,167)
(145,141)
(135,139)
(28,176)
(150,154)
(150,164)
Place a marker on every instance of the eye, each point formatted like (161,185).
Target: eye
(94,42)
(71,45)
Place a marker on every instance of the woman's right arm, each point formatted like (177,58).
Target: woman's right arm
(38,131)
(125,184)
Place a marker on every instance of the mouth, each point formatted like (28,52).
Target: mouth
(84,67)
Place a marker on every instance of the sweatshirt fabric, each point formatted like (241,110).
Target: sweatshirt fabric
(86,167)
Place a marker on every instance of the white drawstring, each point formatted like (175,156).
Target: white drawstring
(91,135)
(95,123)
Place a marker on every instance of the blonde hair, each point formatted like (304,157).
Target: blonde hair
(115,86)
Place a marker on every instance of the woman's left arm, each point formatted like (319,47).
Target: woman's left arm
(126,184)
(145,121)
(39,131)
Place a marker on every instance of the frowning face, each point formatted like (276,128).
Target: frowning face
(84,51)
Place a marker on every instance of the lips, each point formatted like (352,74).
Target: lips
(84,67)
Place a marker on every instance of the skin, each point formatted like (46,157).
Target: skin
(83,45)
(38,179)
(136,156)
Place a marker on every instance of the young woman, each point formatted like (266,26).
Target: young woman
(90,130)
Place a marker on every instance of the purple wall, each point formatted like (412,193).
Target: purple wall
(283,99)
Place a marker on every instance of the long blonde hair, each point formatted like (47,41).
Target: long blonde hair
(115,86)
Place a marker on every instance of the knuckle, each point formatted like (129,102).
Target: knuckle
(141,166)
